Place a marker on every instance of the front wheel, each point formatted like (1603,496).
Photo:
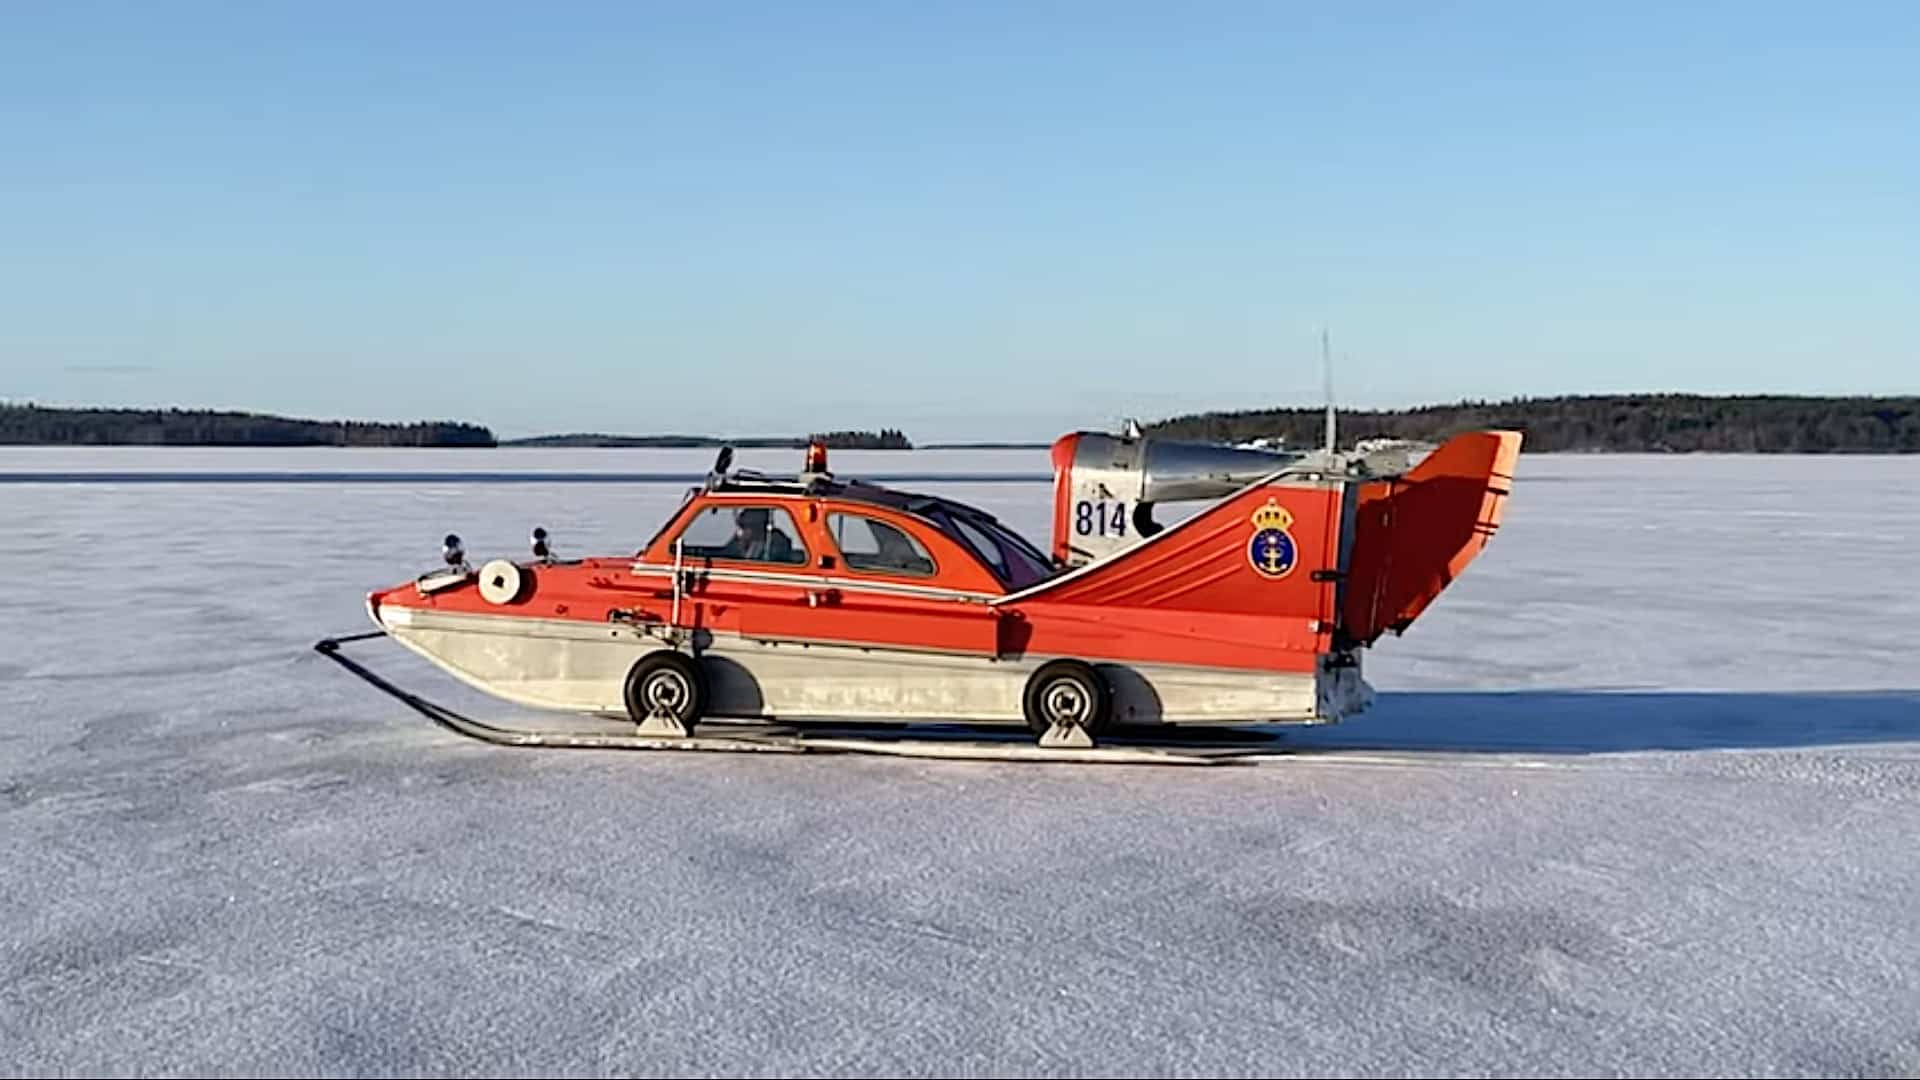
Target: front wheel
(666,682)
(1067,694)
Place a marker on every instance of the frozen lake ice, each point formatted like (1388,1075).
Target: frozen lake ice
(1639,796)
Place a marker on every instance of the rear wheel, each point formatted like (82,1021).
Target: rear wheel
(669,682)
(1070,694)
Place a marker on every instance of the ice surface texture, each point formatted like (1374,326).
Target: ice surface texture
(1640,795)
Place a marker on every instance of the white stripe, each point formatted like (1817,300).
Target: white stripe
(801,581)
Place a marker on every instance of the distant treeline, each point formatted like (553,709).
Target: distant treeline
(1662,423)
(34,424)
(886,439)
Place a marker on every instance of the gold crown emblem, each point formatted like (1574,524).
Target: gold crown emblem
(1272,516)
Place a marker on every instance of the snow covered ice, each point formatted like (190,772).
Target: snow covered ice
(1640,795)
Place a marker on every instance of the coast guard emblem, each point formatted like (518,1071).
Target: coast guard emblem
(1271,549)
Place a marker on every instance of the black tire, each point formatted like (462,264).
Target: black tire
(669,678)
(1068,691)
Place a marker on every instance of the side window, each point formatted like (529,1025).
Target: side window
(871,544)
(753,533)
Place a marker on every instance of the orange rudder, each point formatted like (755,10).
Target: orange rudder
(1413,535)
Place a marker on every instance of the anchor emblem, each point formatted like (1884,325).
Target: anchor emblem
(1271,549)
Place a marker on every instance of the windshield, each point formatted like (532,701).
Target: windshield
(1012,559)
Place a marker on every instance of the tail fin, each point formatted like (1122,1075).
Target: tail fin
(1414,534)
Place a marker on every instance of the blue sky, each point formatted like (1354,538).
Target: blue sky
(966,220)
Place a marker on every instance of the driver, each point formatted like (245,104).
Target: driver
(754,537)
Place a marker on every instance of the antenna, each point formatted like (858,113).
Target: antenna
(1326,362)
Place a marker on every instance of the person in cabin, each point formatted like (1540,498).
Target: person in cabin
(756,538)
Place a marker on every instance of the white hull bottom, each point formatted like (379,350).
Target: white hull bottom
(582,667)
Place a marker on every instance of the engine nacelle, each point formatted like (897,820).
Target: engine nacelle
(1106,487)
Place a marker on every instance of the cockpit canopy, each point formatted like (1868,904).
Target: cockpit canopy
(834,525)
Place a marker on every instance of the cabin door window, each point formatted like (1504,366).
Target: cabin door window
(762,534)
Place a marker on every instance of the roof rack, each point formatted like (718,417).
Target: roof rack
(852,488)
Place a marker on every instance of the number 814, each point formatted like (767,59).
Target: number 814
(1100,518)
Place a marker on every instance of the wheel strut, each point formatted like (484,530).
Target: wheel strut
(661,723)
(1067,736)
